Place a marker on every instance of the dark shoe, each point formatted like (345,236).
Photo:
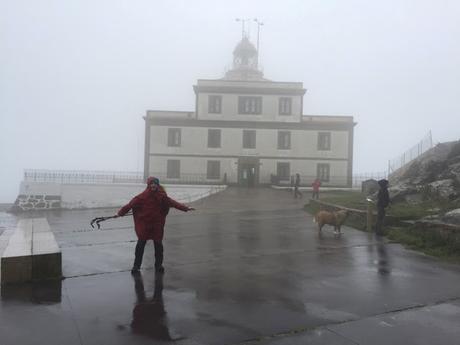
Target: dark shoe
(160,269)
(135,270)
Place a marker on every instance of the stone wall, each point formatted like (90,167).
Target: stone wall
(356,218)
(43,196)
(450,233)
(36,202)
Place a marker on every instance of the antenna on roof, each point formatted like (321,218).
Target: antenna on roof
(243,21)
(259,24)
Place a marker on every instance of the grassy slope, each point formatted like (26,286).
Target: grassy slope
(431,244)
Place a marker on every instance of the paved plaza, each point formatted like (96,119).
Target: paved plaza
(248,267)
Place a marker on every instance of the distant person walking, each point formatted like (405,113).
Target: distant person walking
(315,187)
(150,209)
(383,200)
(297,192)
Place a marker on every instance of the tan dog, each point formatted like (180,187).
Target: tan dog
(336,219)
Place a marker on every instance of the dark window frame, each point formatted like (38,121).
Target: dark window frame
(171,170)
(249,105)
(210,144)
(324,141)
(287,176)
(285,106)
(249,139)
(214,104)
(281,142)
(213,173)
(323,172)
(172,136)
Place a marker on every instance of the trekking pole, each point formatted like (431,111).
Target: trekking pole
(98,220)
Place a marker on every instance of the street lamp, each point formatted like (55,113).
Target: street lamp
(259,24)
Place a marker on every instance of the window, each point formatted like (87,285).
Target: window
(283,171)
(324,141)
(249,105)
(173,136)
(213,171)
(173,168)
(285,106)
(214,138)
(284,140)
(215,104)
(323,171)
(249,139)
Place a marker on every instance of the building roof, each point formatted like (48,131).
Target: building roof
(245,63)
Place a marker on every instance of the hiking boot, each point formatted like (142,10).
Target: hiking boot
(135,270)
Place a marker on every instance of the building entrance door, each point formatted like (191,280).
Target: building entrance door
(248,171)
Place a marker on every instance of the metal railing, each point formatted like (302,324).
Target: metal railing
(415,151)
(332,181)
(80,176)
(114,177)
(190,179)
(358,179)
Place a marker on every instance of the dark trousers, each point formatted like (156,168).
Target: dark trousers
(139,253)
(297,192)
(315,195)
(380,218)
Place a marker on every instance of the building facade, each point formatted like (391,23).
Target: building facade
(248,130)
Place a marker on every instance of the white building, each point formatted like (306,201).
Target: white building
(248,130)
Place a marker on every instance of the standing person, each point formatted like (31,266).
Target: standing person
(296,186)
(383,200)
(315,187)
(150,209)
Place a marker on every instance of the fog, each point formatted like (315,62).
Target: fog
(76,77)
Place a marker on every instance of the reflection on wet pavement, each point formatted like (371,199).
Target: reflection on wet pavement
(244,266)
(42,292)
(149,314)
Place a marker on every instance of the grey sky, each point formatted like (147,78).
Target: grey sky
(77,76)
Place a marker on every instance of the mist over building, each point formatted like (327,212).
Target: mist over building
(248,130)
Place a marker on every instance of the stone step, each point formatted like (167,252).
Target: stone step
(32,253)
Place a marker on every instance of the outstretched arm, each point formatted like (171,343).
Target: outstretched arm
(179,206)
(125,209)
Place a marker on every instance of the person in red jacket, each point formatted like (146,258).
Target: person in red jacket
(150,209)
(315,187)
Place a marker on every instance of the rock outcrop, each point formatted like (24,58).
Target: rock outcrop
(435,174)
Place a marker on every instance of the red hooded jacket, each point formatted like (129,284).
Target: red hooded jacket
(150,209)
(316,184)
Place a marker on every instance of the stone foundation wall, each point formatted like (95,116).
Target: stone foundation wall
(47,196)
(36,202)
(448,232)
(356,218)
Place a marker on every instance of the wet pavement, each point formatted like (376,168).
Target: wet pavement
(248,267)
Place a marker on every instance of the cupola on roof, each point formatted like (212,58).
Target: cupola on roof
(245,58)
(245,48)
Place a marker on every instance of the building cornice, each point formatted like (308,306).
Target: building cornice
(310,125)
(193,155)
(254,90)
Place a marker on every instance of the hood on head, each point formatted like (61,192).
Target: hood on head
(383,183)
(153,180)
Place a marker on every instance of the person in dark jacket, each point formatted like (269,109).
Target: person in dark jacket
(383,200)
(150,209)
(296,187)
